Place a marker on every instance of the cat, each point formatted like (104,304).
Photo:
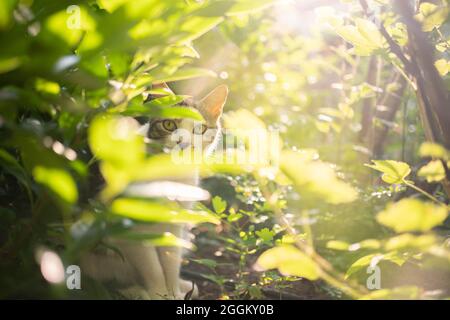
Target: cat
(154,272)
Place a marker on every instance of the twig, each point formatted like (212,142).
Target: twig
(328,273)
(395,48)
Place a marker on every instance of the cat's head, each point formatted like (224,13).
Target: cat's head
(187,133)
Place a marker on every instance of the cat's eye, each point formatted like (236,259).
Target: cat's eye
(200,129)
(169,125)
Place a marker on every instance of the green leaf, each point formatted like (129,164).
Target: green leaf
(219,204)
(45,86)
(433,150)
(338,245)
(431,16)
(234,216)
(344,246)
(6,12)
(394,172)
(433,171)
(110,5)
(373,260)
(184,74)
(213,8)
(398,32)
(206,262)
(171,190)
(150,211)
(370,31)
(163,112)
(48,169)
(443,46)
(10,164)
(316,178)
(114,139)
(197,26)
(265,235)
(249,6)
(219,280)
(166,239)
(412,215)
(58,181)
(9,63)
(399,293)
(167,101)
(408,241)
(442,66)
(364,36)
(13,167)
(289,261)
(69,27)
(161,166)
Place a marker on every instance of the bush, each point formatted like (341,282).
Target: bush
(362,82)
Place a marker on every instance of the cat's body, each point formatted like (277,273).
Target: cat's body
(154,272)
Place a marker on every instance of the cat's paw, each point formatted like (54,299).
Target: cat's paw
(188,289)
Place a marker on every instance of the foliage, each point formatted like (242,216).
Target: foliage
(74,84)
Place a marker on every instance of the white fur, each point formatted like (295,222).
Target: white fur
(149,272)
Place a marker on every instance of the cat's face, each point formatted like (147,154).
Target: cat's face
(187,133)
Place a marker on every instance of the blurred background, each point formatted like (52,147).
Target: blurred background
(344,83)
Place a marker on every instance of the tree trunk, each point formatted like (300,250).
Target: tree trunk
(368,108)
(432,95)
(391,103)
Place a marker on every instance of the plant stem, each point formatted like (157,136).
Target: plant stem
(423,192)
(328,273)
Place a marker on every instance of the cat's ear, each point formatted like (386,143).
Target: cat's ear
(212,105)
